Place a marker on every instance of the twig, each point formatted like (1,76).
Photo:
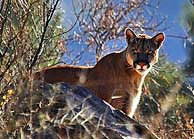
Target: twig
(38,52)
(177,36)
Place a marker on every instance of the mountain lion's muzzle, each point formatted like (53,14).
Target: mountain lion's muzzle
(141,65)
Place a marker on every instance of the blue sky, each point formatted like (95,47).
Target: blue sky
(173,47)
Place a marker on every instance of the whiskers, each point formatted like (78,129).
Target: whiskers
(156,69)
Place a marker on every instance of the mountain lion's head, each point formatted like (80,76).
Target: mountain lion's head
(143,50)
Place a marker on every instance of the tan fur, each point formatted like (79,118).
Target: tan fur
(111,79)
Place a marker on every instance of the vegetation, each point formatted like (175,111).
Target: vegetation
(31,37)
(167,106)
(188,21)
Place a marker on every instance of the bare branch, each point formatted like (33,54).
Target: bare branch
(177,36)
(38,52)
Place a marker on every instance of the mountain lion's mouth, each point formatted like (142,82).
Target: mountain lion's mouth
(141,71)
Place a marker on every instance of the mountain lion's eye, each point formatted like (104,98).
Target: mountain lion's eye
(135,51)
(150,52)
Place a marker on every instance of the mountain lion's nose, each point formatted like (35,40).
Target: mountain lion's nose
(141,64)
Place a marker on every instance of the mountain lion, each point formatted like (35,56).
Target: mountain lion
(118,77)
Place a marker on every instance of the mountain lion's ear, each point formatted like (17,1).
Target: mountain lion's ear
(159,38)
(129,34)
